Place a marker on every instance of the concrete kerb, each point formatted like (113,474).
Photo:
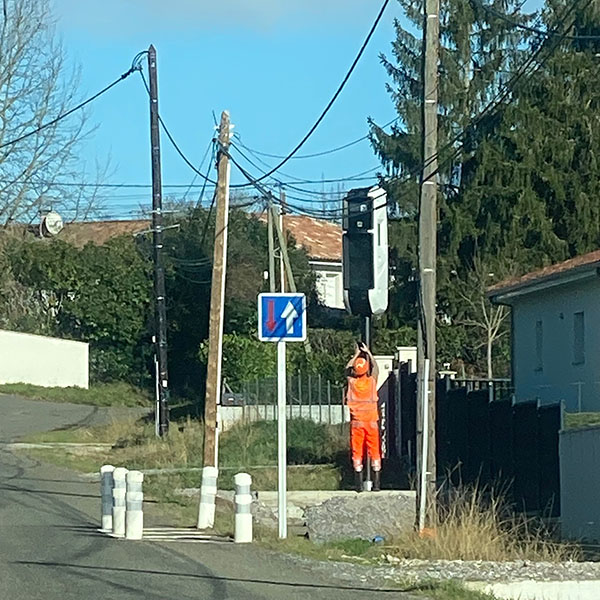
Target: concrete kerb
(539,590)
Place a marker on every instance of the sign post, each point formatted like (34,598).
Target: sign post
(281,441)
(281,319)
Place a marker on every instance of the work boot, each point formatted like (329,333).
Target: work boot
(376,481)
(358,481)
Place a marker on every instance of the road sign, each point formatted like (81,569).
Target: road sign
(281,317)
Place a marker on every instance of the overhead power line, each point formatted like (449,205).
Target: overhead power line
(315,154)
(492,105)
(294,185)
(335,96)
(72,110)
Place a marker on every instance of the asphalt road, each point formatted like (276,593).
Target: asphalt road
(50,549)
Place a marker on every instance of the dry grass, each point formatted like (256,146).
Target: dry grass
(476,525)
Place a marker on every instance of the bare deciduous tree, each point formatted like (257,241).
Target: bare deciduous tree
(36,86)
(480,314)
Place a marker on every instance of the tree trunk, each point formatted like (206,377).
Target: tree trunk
(490,369)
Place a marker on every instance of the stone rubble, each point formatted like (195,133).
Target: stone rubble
(362,516)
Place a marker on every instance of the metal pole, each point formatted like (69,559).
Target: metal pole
(320,400)
(300,394)
(329,399)
(157,234)
(281,442)
(156,394)
(310,416)
(367,340)
(289,403)
(217,295)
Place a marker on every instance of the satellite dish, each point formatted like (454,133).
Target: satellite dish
(52,224)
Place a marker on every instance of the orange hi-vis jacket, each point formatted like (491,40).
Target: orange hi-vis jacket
(362,399)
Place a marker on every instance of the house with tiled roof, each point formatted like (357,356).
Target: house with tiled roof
(321,239)
(556,332)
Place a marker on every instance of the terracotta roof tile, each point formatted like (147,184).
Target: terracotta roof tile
(99,232)
(549,272)
(322,239)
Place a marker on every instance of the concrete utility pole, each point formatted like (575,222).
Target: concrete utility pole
(428,243)
(217,296)
(159,272)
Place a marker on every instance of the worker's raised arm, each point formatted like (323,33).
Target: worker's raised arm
(351,361)
(374,365)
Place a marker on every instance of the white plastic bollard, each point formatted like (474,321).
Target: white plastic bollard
(134,500)
(118,507)
(106,488)
(243,509)
(208,492)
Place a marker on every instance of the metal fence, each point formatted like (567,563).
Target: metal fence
(308,397)
(483,436)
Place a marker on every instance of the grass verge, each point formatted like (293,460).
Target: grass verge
(477,525)
(582,420)
(102,394)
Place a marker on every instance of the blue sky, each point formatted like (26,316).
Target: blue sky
(273,64)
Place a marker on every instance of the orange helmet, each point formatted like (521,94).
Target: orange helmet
(360,366)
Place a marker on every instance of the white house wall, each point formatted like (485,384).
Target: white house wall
(329,283)
(559,379)
(44,361)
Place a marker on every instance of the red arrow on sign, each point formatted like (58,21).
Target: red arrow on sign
(271,322)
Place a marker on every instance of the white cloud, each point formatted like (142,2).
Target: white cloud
(111,17)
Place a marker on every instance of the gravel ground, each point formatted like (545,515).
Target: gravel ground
(417,571)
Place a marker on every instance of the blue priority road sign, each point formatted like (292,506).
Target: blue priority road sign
(281,317)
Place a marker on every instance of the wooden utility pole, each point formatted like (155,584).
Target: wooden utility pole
(291,282)
(271,241)
(217,296)
(428,240)
(159,272)
(283,230)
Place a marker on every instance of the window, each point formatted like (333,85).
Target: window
(578,338)
(539,346)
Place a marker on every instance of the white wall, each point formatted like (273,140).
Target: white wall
(329,283)
(559,379)
(330,415)
(45,361)
(579,451)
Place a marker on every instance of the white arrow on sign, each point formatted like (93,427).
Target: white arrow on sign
(290,314)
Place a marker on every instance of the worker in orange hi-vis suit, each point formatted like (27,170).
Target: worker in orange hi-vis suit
(362,400)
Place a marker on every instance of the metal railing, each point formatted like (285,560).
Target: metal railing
(309,396)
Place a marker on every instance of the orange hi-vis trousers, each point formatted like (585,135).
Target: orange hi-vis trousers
(361,432)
